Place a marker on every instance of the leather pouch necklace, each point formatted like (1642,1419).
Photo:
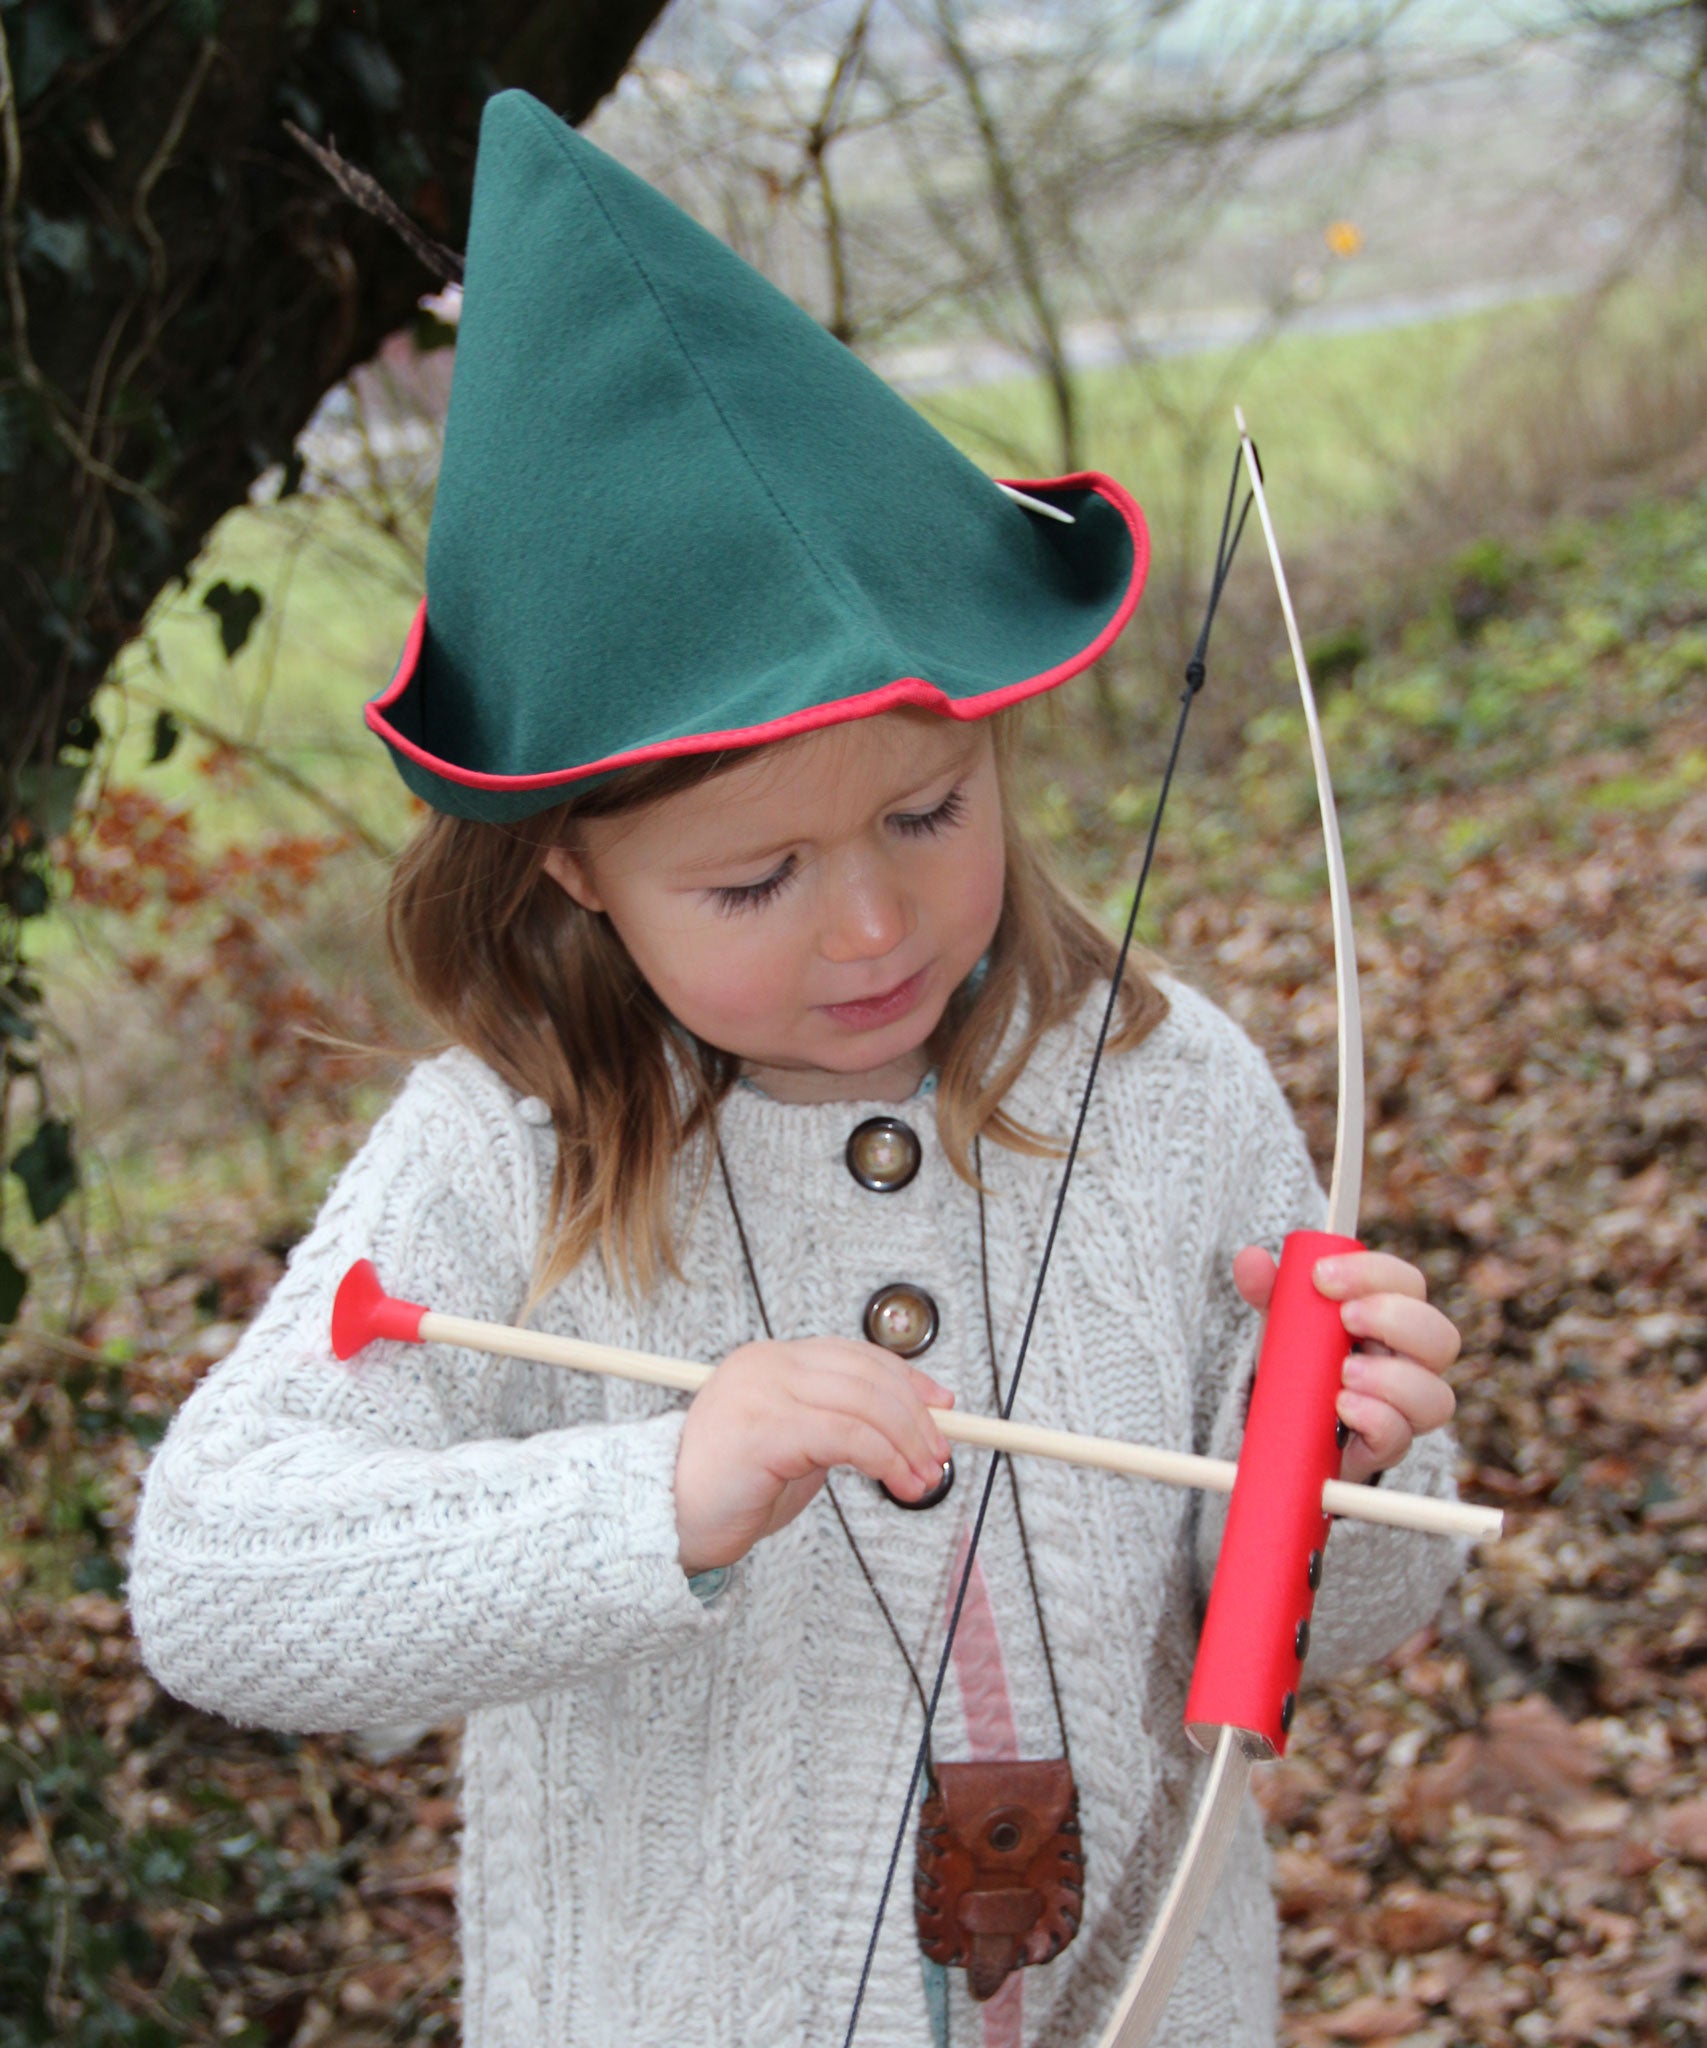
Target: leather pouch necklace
(999,1877)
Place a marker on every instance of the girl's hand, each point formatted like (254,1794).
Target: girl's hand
(1401,1345)
(769,1424)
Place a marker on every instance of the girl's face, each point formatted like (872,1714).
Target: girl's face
(811,910)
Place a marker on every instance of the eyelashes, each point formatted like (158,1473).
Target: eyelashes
(754,895)
(929,824)
(925,824)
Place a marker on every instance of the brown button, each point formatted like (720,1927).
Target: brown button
(902,1319)
(883,1154)
(940,1492)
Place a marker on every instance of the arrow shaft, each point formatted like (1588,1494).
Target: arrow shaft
(982,1432)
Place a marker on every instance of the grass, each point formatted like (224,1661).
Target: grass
(1342,419)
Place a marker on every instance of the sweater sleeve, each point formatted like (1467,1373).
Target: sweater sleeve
(418,1533)
(1378,1584)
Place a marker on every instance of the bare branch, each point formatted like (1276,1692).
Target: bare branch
(370,195)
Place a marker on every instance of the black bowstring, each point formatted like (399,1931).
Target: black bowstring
(1195,675)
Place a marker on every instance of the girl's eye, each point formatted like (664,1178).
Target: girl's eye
(946,815)
(754,895)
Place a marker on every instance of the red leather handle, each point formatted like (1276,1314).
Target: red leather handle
(1256,1631)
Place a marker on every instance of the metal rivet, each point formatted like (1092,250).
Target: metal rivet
(1288,1707)
(940,1492)
(883,1154)
(1301,1641)
(901,1318)
(1313,1569)
(1342,1434)
(1004,1836)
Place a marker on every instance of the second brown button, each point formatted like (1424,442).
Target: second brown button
(902,1319)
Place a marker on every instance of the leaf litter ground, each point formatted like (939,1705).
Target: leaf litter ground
(1499,1836)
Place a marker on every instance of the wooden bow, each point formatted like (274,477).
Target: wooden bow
(1257,1627)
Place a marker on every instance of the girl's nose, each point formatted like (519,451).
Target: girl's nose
(870,913)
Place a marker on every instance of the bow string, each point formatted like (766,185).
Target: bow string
(1196,672)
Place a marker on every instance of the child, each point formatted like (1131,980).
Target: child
(766,1027)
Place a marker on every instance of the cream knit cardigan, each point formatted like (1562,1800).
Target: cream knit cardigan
(678,1811)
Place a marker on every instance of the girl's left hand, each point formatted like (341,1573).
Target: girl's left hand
(1400,1347)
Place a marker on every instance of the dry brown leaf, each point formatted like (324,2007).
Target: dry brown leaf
(1684,1828)
(1371,2018)
(1408,1921)
(1581,2005)
(1308,1884)
(1525,1751)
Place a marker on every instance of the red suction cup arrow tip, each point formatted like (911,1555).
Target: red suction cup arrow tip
(362,1311)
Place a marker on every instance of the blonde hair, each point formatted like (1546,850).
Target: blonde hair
(506,963)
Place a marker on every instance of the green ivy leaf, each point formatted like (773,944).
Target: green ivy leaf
(165,738)
(371,69)
(26,893)
(237,607)
(429,332)
(197,18)
(48,796)
(61,245)
(47,1166)
(99,1574)
(81,734)
(14,1285)
(47,38)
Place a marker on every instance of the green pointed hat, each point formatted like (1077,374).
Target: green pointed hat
(675,515)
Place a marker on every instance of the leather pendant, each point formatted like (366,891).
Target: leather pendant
(1000,1878)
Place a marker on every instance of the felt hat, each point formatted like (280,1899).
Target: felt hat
(675,515)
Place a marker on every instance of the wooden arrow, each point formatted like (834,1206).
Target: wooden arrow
(363,1311)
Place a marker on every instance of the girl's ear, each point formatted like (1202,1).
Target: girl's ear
(570,872)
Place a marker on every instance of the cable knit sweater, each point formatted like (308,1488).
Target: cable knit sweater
(677,1810)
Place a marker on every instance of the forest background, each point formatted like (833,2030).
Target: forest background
(1451,261)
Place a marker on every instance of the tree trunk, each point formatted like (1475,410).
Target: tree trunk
(182,284)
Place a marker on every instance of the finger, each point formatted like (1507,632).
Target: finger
(879,1394)
(1380,1435)
(1348,1274)
(1408,1327)
(828,1439)
(1253,1275)
(1421,1398)
(931,1392)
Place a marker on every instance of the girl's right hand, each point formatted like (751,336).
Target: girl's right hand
(770,1423)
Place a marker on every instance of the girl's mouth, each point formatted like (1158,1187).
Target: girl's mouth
(871,1011)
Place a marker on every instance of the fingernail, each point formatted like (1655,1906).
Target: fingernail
(1330,1275)
(1355,1317)
(1356,1371)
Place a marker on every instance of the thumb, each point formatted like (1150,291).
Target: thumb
(1253,1275)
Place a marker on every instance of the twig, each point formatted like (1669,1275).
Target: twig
(29,371)
(155,167)
(53,1995)
(370,195)
(281,771)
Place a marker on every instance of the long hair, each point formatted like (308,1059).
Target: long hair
(503,961)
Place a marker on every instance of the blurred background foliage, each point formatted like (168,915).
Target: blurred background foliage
(1450,259)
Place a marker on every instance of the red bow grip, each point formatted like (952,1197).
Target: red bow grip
(1257,1629)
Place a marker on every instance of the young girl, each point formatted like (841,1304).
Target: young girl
(766,1028)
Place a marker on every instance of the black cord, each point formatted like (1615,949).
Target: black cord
(1013,1469)
(1195,674)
